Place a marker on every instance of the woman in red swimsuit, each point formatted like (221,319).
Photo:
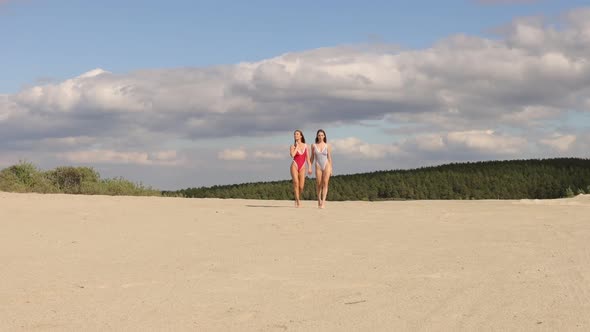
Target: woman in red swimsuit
(300,157)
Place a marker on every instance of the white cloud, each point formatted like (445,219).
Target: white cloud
(354,148)
(167,158)
(464,143)
(243,154)
(536,66)
(233,154)
(68,141)
(487,141)
(96,89)
(528,114)
(269,155)
(559,142)
(536,36)
(430,142)
(163,156)
(8,108)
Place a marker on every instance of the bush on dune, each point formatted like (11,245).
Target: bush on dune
(120,186)
(72,180)
(26,177)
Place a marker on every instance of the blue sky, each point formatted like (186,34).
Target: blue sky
(60,39)
(188,93)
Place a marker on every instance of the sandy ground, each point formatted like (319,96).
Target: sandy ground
(96,263)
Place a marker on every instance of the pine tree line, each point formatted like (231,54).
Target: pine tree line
(512,179)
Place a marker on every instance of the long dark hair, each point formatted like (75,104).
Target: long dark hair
(317,140)
(302,137)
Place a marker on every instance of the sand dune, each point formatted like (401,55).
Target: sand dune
(143,263)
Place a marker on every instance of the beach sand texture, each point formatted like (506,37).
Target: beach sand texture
(96,263)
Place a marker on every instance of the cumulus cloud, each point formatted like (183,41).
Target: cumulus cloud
(343,84)
(355,148)
(568,38)
(233,154)
(69,141)
(559,142)
(268,155)
(167,158)
(487,141)
(477,142)
(530,115)
(430,142)
(462,81)
(251,154)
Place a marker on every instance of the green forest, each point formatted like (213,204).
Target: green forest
(510,179)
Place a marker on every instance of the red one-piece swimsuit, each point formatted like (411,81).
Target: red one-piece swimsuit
(300,158)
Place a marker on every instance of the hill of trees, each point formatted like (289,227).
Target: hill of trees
(512,179)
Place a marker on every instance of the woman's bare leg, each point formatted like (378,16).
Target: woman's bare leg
(318,179)
(301,181)
(325,181)
(295,177)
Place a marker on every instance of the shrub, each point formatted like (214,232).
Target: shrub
(9,181)
(25,177)
(120,186)
(71,180)
(24,173)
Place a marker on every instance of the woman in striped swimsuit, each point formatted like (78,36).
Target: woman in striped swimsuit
(300,156)
(322,154)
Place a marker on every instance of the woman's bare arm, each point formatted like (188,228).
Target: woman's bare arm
(308,162)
